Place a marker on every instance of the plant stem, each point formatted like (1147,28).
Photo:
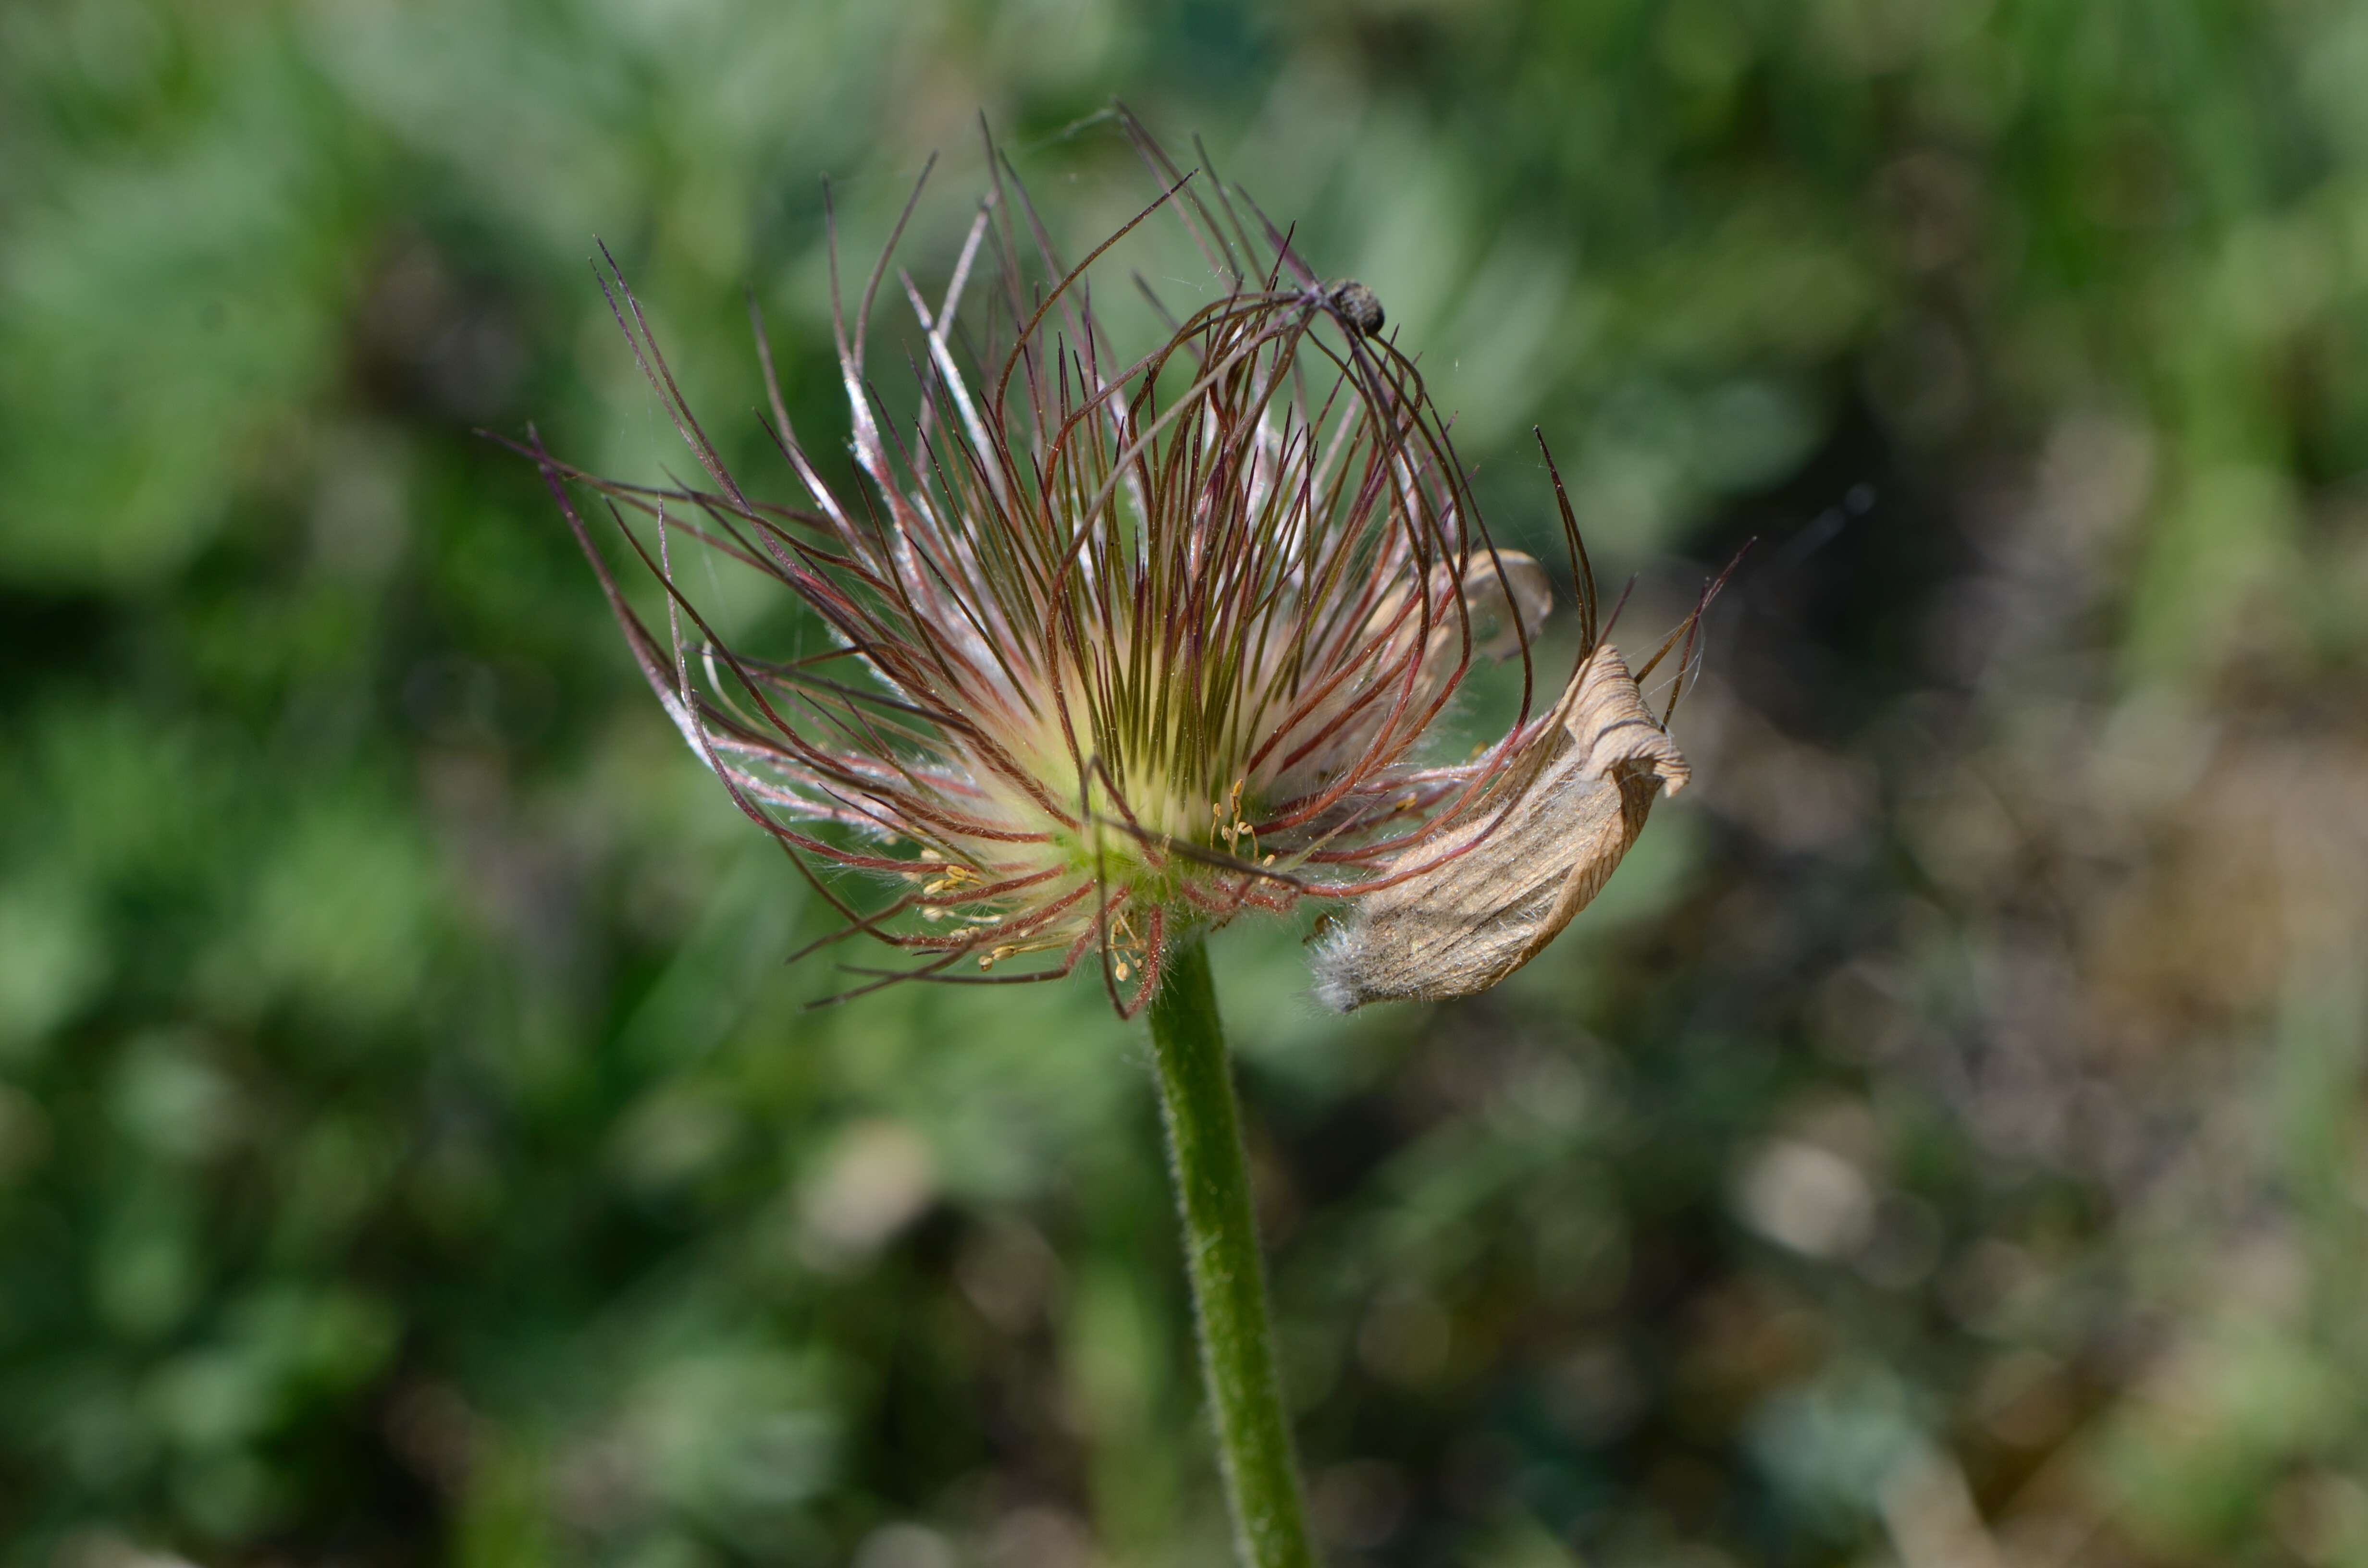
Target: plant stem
(1212,1190)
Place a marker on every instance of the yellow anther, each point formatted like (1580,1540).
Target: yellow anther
(1237,829)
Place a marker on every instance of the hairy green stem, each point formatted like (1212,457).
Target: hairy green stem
(1213,1191)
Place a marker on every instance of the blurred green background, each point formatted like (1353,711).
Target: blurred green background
(1943,1146)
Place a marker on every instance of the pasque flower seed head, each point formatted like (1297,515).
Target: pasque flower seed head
(1122,646)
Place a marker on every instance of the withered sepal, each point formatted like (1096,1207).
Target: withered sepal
(1504,884)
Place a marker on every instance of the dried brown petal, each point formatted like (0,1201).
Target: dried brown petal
(1474,918)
